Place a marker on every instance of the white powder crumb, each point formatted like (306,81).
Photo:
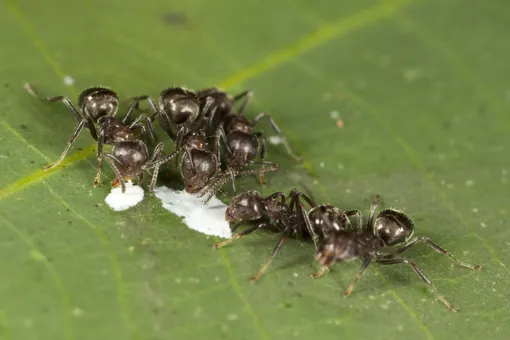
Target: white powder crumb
(483,225)
(412,74)
(475,210)
(119,201)
(295,274)
(77,312)
(208,219)
(68,80)
(232,317)
(348,191)
(470,182)
(275,140)
(334,115)
(321,164)
(131,249)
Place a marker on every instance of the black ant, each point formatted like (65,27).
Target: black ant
(289,219)
(99,105)
(387,229)
(198,163)
(242,146)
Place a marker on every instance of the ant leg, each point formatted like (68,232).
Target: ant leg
(278,194)
(373,207)
(262,139)
(70,142)
(247,99)
(239,235)
(279,133)
(319,273)
(118,175)
(233,179)
(156,163)
(263,169)
(418,271)
(157,151)
(31,90)
(436,247)
(359,220)
(217,154)
(100,142)
(135,102)
(273,255)
(364,266)
(296,193)
(308,225)
(150,126)
(212,188)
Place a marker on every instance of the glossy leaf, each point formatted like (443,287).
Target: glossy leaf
(406,99)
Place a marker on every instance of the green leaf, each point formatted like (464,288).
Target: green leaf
(421,88)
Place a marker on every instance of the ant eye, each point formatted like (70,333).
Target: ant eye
(244,210)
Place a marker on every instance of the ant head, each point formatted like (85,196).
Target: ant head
(393,227)
(181,105)
(197,168)
(338,246)
(97,102)
(245,207)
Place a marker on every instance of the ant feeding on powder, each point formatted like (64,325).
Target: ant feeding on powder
(389,228)
(289,219)
(97,109)
(242,144)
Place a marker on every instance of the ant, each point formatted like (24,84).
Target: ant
(289,219)
(242,146)
(198,163)
(98,106)
(388,228)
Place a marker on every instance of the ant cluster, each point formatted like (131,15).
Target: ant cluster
(217,143)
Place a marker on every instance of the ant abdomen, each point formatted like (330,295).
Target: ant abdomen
(131,156)
(98,102)
(182,105)
(393,227)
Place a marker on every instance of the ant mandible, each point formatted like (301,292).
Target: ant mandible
(388,228)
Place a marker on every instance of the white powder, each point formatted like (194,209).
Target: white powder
(208,219)
(68,80)
(119,201)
